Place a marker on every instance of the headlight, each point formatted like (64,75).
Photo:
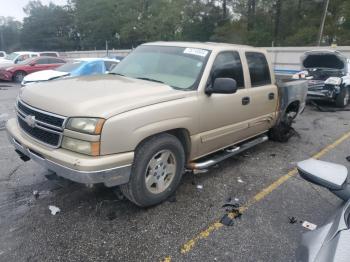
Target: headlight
(336,81)
(91,126)
(80,146)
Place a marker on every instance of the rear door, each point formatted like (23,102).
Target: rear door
(262,96)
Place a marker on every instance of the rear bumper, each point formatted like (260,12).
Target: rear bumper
(110,170)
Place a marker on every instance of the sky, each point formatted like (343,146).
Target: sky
(14,8)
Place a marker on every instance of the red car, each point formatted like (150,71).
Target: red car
(18,71)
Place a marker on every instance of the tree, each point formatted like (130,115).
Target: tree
(10,31)
(48,27)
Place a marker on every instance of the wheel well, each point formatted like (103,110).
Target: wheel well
(184,137)
(180,133)
(17,71)
(293,107)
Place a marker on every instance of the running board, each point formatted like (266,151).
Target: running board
(226,153)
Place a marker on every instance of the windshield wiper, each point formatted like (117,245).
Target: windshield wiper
(150,79)
(118,74)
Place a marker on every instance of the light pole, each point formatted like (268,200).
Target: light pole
(325,10)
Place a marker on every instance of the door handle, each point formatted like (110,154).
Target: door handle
(271,96)
(245,100)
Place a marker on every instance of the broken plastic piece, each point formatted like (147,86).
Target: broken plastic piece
(36,194)
(309,225)
(54,210)
(226,220)
(199,186)
(292,220)
(239,180)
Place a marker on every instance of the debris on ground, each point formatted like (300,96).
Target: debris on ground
(330,110)
(199,186)
(309,225)
(348,158)
(54,210)
(226,220)
(172,198)
(292,220)
(36,194)
(233,212)
(239,180)
(273,155)
(3,120)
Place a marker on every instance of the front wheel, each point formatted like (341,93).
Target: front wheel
(156,172)
(18,76)
(342,98)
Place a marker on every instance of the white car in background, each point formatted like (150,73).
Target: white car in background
(16,57)
(74,68)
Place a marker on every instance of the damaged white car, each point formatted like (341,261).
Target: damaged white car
(329,74)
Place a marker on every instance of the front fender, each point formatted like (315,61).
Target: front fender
(122,133)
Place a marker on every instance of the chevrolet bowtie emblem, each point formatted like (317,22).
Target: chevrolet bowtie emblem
(30,120)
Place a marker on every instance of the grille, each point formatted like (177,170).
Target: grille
(52,120)
(43,127)
(40,134)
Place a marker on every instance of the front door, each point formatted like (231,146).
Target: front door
(223,118)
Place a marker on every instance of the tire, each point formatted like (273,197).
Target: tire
(342,98)
(283,131)
(162,172)
(18,76)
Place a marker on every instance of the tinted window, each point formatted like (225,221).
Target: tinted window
(42,61)
(48,54)
(55,61)
(228,65)
(258,69)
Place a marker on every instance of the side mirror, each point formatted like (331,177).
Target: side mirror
(328,175)
(222,86)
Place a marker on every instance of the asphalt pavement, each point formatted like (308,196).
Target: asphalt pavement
(94,225)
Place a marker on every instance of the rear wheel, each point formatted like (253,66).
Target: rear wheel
(157,170)
(342,98)
(18,76)
(283,130)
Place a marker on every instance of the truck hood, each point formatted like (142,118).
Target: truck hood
(44,75)
(97,96)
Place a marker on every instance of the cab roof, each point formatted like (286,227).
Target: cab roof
(203,45)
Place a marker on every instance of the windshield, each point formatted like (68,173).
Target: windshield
(178,67)
(70,66)
(11,56)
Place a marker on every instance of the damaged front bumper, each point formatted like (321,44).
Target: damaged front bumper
(326,92)
(111,170)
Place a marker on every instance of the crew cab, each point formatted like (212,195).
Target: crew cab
(166,108)
(329,73)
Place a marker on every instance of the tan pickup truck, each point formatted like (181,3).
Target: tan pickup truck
(166,108)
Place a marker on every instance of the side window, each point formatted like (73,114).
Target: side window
(228,65)
(42,61)
(55,61)
(258,69)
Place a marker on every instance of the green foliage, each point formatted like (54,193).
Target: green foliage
(89,24)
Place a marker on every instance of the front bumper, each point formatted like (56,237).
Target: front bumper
(5,75)
(111,170)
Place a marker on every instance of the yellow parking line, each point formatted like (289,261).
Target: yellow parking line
(190,244)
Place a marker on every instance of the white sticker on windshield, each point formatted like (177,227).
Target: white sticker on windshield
(196,51)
